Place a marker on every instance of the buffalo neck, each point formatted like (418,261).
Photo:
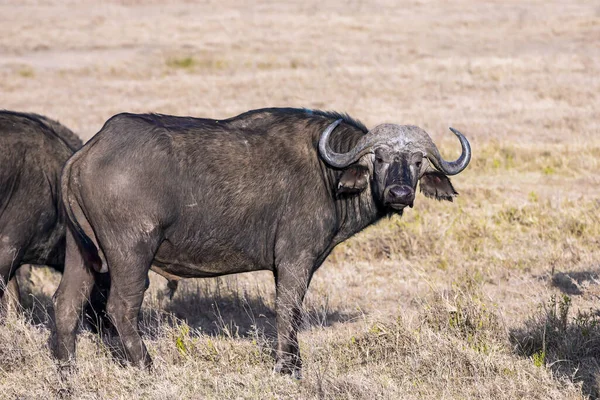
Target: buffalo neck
(354,212)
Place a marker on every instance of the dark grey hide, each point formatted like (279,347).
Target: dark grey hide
(33,150)
(204,198)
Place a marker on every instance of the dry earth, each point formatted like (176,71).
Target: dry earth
(493,296)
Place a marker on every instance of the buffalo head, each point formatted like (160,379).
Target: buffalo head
(393,159)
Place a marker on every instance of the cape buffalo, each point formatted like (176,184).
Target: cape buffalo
(33,150)
(271,189)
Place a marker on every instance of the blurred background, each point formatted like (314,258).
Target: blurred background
(491,68)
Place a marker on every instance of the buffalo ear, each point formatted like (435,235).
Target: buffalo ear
(435,185)
(354,180)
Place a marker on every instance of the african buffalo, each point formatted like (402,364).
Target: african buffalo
(271,189)
(33,150)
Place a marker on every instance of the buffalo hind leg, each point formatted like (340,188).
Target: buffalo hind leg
(10,259)
(11,300)
(129,272)
(292,280)
(95,311)
(72,294)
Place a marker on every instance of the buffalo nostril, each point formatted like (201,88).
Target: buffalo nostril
(401,192)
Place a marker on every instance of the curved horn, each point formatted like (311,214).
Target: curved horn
(451,167)
(342,160)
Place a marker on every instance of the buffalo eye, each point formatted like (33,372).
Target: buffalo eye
(378,159)
(418,164)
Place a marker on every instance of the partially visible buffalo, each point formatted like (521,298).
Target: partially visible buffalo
(67,135)
(33,150)
(271,189)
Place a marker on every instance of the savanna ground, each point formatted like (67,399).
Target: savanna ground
(493,296)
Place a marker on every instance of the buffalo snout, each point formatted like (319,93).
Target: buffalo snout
(399,196)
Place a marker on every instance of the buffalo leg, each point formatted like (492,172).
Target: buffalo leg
(129,272)
(95,312)
(72,294)
(292,280)
(12,297)
(9,261)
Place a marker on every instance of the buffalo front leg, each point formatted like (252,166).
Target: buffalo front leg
(72,294)
(292,280)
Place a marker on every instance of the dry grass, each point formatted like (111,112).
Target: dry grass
(456,347)
(454,300)
(570,346)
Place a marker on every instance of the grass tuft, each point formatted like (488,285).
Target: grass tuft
(183,63)
(569,345)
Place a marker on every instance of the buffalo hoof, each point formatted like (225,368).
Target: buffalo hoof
(171,288)
(66,369)
(288,369)
(64,393)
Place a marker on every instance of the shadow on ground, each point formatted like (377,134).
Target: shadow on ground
(213,310)
(572,283)
(209,307)
(567,344)
(213,307)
